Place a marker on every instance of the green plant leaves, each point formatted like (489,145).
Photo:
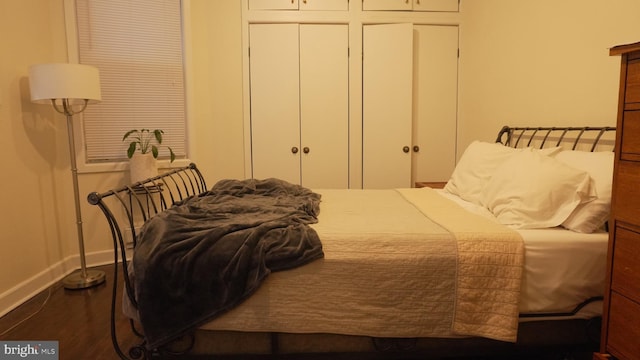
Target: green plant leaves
(142,141)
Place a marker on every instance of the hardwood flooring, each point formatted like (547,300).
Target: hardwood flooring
(77,319)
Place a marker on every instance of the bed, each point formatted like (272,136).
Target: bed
(483,266)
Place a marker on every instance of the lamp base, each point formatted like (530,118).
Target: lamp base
(76,280)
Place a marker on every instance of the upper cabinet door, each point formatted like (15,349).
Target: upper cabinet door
(408,5)
(387,76)
(324,5)
(435,5)
(299,5)
(273,4)
(275,94)
(387,5)
(324,105)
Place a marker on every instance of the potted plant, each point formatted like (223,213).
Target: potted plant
(143,152)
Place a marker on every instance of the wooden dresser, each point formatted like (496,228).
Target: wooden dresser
(621,316)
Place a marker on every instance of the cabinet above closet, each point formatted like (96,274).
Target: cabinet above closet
(411,5)
(304,5)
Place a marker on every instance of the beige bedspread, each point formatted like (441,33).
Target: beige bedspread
(489,269)
(398,263)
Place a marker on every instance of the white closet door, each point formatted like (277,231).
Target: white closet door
(435,101)
(324,105)
(387,100)
(275,123)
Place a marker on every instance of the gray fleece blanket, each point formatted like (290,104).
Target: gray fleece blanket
(207,254)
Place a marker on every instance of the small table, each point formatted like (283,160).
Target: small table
(431,184)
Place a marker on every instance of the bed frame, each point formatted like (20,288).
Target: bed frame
(127,207)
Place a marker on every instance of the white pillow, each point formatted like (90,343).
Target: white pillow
(530,190)
(589,217)
(477,165)
(475,168)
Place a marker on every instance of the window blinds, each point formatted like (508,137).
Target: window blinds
(137,46)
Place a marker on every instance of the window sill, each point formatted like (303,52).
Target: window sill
(121,166)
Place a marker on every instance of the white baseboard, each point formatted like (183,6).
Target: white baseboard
(27,289)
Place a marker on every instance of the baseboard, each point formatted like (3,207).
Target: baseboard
(27,289)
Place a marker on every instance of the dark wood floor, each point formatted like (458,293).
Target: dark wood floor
(77,319)
(80,321)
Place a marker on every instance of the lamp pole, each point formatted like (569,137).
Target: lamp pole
(84,278)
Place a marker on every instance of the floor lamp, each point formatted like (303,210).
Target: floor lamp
(69,88)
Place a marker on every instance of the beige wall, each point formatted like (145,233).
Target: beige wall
(217,131)
(540,62)
(34,185)
(522,62)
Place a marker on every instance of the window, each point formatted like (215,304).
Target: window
(137,46)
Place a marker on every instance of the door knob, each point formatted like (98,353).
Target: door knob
(305,150)
(416,148)
(294,150)
(406,149)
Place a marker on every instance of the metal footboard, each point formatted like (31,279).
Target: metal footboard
(126,209)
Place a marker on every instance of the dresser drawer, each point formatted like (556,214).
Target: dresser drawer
(624,331)
(632,93)
(626,273)
(627,192)
(631,133)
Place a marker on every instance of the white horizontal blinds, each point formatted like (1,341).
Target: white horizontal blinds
(137,45)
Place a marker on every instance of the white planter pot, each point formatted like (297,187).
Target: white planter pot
(142,166)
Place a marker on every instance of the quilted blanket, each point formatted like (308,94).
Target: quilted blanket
(207,254)
(489,269)
(397,263)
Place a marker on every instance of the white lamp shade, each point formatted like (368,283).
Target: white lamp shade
(64,81)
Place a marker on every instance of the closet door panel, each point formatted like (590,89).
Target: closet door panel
(435,102)
(387,105)
(275,124)
(324,105)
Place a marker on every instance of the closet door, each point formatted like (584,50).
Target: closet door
(275,122)
(435,102)
(387,100)
(324,105)
(300,103)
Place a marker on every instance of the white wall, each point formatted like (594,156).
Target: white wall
(540,62)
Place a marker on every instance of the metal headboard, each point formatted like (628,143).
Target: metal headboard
(126,209)
(570,138)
